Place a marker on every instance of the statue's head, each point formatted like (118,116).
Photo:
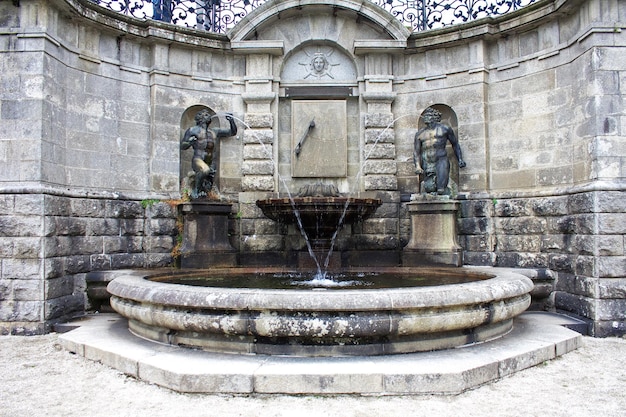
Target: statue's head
(431,115)
(203,116)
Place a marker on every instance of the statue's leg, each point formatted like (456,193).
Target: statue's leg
(443,174)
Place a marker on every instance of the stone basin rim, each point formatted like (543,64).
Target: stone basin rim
(498,283)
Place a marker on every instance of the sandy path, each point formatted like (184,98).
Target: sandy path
(39,378)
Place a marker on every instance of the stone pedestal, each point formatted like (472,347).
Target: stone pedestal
(433,233)
(205,235)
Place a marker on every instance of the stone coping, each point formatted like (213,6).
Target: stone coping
(536,337)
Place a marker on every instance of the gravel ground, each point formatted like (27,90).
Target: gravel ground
(39,378)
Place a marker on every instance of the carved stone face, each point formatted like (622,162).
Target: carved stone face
(318,64)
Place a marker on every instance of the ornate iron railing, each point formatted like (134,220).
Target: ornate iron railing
(221,15)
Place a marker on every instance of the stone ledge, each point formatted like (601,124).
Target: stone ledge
(535,338)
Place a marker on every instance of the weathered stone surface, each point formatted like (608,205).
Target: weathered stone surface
(259,120)
(545,157)
(378,120)
(381,182)
(257,183)
(258,136)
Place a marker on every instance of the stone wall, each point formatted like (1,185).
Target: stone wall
(91,113)
(49,242)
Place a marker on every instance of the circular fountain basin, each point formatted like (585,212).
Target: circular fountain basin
(318,321)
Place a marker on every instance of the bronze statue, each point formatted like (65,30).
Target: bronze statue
(430,156)
(202,139)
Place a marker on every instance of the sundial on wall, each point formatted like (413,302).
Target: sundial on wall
(319,138)
(319,123)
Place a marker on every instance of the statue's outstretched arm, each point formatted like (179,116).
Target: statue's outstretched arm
(456,147)
(417,154)
(231,131)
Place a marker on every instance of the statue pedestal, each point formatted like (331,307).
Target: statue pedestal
(205,235)
(433,233)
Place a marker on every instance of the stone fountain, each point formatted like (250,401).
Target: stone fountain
(235,310)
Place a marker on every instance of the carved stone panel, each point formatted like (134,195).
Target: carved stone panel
(319,138)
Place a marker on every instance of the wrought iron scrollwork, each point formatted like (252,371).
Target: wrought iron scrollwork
(221,15)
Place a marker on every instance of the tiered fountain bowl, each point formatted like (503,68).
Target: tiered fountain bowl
(320,217)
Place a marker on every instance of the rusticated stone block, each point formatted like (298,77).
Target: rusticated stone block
(479,258)
(553,206)
(515,243)
(513,208)
(612,288)
(379,136)
(612,202)
(257,151)
(28,204)
(28,289)
(123,244)
(20,226)
(474,225)
(577,223)
(23,311)
(161,210)
(376,242)
(99,262)
(380,151)
(581,203)
(258,136)
(21,268)
(612,266)
(381,182)
(130,260)
(77,263)
(256,243)
(64,306)
(59,287)
(476,243)
(380,226)
(23,247)
(158,243)
(166,227)
(380,167)
(521,225)
(124,209)
(256,168)
(522,260)
(477,208)
(380,120)
(386,209)
(259,120)
(563,263)
(87,207)
(257,183)
(612,223)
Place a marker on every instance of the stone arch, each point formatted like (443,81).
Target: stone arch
(274,10)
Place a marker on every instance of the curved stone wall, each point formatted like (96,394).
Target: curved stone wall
(99,97)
